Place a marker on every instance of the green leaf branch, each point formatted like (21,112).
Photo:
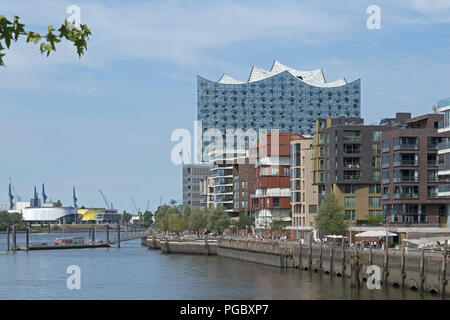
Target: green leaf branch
(11,31)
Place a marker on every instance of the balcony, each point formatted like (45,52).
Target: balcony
(406,179)
(385,197)
(406,146)
(386,181)
(443,145)
(433,195)
(444,188)
(406,163)
(406,195)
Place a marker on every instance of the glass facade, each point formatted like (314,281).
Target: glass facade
(281,101)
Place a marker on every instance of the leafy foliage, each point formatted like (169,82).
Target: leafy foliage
(198,220)
(126,217)
(12,219)
(11,31)
(147,219)
(374,219)
(218,220)
(277,224)
(331,216)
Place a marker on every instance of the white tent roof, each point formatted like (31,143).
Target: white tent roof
(375,233)
(334,236)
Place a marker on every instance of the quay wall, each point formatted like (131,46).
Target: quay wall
(184,247)
(413,270)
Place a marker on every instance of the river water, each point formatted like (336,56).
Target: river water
(134,272)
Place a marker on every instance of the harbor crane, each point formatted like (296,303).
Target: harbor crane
(12,194)
(108,206)
(138,211)
(44,196)
(74,198)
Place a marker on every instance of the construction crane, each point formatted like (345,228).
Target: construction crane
(108,206)
(138,211)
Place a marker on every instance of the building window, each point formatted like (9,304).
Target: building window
(385,146)
(350,214)
(349,202)
(276,202)
(376,175)
(374,188)
(350,188)
(352,135)
(312,208)
(374,202)
(376,135)
(244,185)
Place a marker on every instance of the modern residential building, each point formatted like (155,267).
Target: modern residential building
(283,98)
(410,180)
(192,173)
(444,152)
(304,194)
(272,178)
(347,162)
(230,182)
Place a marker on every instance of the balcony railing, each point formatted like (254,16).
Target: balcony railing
(385,181)
(444,188)
(432,195)
(406,195)
(385,197)
(406,179)
(406,163)
(444,145)
(406,146)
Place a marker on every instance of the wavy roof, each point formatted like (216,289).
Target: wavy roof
(313,77)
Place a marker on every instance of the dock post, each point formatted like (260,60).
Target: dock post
(49,227)
(422,270)
(386,264)
(118,236)
(444,270)
(107,233)
(320,257)
(310,252)
(28,238)
(370,255)
(343,258)
(93,234)
(8,234)
(402,267)
(14,238)
(300,255)
(331,260)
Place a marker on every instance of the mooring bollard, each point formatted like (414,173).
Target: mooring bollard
(14,238)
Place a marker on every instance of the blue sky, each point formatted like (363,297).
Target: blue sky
(105,120)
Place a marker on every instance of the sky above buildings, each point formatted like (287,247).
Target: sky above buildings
(105,120)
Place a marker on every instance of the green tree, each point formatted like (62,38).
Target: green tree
(374,219)
(218,220)
(13,218)
(198,220)
(147,218)
(126,217)
(277,224)
(242,222)
(162,215)
(12,31)
(176,222)
(331,216)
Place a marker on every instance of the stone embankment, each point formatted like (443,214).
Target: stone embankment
(415,270)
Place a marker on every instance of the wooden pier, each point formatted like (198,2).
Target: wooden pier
(64,246)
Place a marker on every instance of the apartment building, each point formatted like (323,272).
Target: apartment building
(410,180)
(347,162)
(272,178)
(304,194)
(192,174)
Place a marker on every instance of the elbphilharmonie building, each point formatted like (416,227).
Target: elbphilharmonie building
(283,98)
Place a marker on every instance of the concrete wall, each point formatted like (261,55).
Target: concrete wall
(413,270)
(185,247)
